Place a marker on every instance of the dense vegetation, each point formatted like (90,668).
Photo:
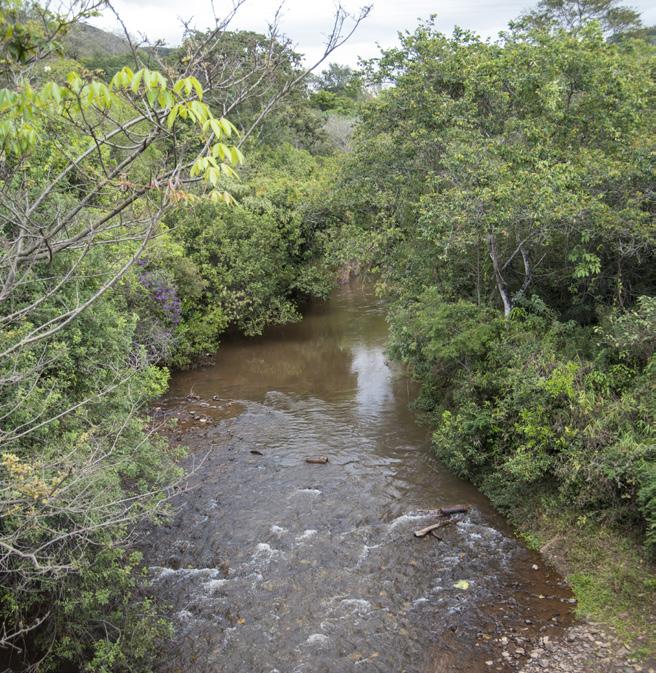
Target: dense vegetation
(129,244)
(521,179)
(505,193)
(500,192)
(508,187)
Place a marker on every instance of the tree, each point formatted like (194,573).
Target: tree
(253,73)
(340,80)
(613,17)
(339,88)
(509,162)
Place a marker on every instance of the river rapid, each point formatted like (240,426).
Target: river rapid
(271,564)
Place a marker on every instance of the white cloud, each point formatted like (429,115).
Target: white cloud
(306,22)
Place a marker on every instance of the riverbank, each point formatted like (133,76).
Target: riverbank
(614,584)
(536,413)
(615,630)
(586,648)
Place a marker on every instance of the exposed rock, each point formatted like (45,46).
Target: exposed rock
(583,648)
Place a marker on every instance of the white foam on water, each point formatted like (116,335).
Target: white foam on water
(454,609)
(213,585)
(408,518)
(228,633)
(450,561)
(479,530)
(366,548)
(479,537)
(419,601)
(264,549)
(317,639)
(264,554)
(309,491)
(162,573)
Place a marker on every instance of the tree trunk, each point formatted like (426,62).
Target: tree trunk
(528,274)
(501,283)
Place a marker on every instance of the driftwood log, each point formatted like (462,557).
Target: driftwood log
(422,532)
(454,509)
(443,511)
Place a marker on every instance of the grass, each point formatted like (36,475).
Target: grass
(613,581)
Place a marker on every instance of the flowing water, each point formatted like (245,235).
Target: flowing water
(272,564)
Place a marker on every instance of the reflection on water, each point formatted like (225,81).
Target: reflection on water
(273,564)
(374,381)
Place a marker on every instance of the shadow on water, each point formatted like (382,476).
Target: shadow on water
(273,564)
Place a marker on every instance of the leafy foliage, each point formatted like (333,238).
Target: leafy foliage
(516,175)
(531,404)
(613,17)
(108,273)
(240,285)
(502,191)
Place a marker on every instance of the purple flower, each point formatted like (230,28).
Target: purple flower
(164,295)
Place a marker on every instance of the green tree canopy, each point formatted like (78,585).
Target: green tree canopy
(612,15)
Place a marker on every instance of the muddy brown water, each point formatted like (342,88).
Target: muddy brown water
(274,565)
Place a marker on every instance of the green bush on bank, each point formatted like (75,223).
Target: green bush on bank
(76,487)
(503,191)
(533,403)
(244,266)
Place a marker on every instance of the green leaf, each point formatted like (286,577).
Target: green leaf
(170,119)
(197,87)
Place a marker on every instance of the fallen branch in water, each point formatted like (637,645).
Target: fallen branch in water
(434,526)
(317,460)
(443,511)
(454,509)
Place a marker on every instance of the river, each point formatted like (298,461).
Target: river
(271,564)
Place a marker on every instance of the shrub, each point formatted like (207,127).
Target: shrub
(537,404)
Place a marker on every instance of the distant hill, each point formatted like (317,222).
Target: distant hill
(85,41)
(103,51)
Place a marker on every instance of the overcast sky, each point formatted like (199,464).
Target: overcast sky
(306,22)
